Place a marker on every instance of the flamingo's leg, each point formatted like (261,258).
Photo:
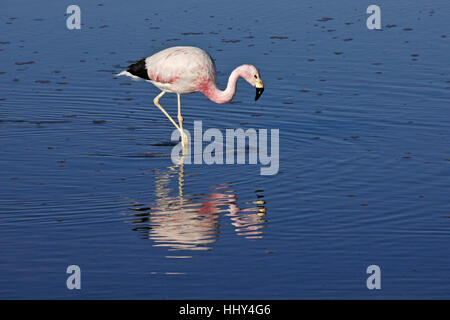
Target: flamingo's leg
(180,118)
(156,102)
(184,138)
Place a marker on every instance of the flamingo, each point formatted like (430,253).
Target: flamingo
(184,70)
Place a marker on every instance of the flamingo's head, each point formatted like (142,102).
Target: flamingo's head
(251,75)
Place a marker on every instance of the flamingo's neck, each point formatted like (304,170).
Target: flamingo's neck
(218,96)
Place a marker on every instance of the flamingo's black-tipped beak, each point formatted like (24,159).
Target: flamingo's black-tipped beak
(259,87)
(259,92)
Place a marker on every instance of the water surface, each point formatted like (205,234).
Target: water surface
(86,176)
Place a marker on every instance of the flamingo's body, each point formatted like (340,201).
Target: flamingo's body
(184,70)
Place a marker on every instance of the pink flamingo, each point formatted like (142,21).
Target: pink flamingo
(184,70)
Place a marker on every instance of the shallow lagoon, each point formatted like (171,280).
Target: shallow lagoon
(364,176)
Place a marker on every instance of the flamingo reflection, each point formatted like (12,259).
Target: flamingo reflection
(191,221)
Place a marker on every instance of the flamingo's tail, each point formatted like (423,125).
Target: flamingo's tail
(126,73)
(136,71)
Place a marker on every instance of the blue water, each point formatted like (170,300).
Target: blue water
(86,177)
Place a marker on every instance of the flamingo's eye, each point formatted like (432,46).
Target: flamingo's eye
(256,76)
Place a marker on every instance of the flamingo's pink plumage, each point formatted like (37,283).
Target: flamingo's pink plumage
(184,70)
